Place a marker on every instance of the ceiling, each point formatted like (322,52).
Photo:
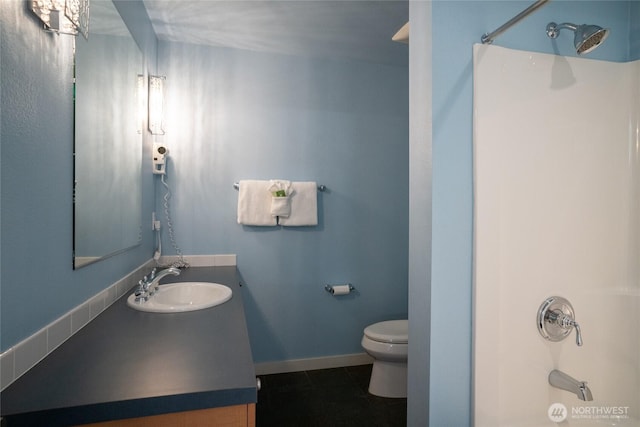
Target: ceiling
(358,30)
(105,19)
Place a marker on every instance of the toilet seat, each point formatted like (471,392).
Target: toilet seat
(390,331)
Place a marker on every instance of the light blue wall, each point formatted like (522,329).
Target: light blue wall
(37,283)
(234,114)
(456,27)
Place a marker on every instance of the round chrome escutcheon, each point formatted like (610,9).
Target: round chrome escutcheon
(548,313)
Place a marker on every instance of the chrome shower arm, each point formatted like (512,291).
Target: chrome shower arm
(553,29)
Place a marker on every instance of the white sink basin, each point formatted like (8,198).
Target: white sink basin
(183,296)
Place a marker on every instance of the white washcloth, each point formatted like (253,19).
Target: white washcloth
(254,203)
(280,185)
(304,205)
(280,197)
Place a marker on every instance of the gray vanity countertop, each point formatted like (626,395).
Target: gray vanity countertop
(127,363)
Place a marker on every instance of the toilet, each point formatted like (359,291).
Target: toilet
(387,342)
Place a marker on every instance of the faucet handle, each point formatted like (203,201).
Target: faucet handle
(140,289)
(556,319)
(567,322)
(578,334)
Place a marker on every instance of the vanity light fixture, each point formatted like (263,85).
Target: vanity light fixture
(63,16)
(156,101)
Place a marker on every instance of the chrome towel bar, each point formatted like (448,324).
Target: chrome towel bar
(321,187)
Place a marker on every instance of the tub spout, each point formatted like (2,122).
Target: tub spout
(563,381)
(585,393)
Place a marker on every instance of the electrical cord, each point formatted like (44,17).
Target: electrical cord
(181,263)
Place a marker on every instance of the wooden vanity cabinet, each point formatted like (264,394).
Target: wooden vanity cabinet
(226,416)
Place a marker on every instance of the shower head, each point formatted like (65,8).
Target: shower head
(586,39)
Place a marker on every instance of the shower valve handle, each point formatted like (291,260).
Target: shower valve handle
(556,320)
(578,334)
(567,323)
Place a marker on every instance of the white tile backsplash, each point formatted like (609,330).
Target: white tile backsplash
(124,286)
(96,304)
(29,352)
(225,260)
(6,368)
(58,332)
(111,295)
(80,317)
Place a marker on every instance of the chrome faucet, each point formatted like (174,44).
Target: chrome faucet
(155,280)
(563,381)
(149,285)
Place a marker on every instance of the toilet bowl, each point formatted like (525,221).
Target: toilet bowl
(388,343)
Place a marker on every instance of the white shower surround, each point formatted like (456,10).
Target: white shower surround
(556,213)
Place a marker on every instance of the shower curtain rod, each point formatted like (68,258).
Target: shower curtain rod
(488,38)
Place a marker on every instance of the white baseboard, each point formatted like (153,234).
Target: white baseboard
(310,364)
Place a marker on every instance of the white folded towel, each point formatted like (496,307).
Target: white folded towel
(254,203)
(304,205)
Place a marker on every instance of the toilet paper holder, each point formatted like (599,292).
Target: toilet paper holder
(339,289)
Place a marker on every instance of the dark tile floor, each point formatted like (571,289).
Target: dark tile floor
(326,398)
